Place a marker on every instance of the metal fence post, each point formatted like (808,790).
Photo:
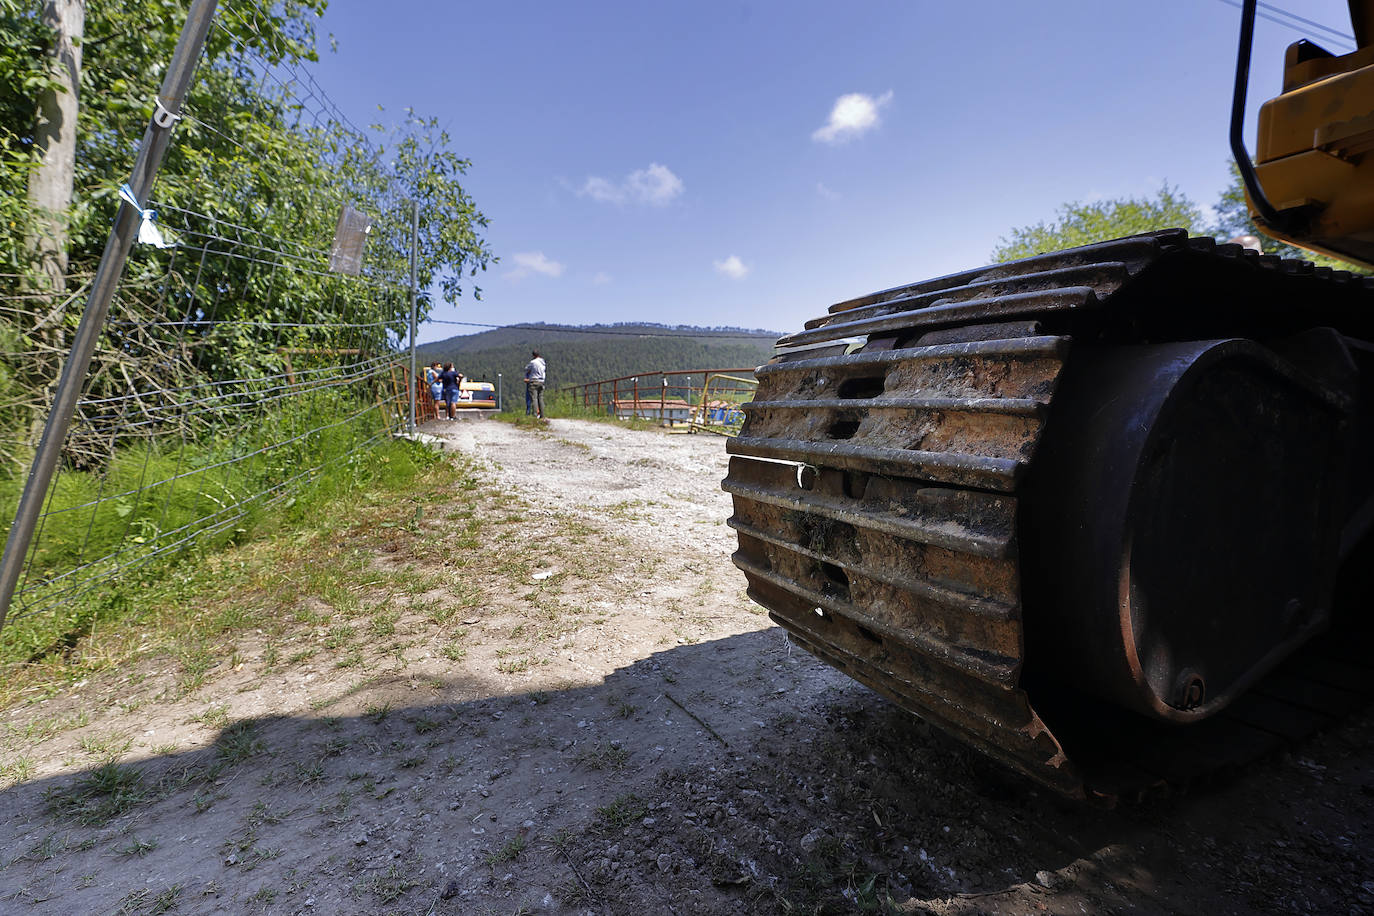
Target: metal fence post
(156,138)
(414,250)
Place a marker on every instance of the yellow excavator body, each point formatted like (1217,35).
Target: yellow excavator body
(1313,157)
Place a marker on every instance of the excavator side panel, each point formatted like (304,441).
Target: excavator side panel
(1312,157)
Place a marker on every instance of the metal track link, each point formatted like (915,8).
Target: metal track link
(877,475)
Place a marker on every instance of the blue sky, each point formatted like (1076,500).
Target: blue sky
(749,163)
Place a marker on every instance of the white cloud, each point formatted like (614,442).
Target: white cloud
(656,185)
(825,192)
(533,262)
(732,267)
(602,190)
(852,115)
(601,278)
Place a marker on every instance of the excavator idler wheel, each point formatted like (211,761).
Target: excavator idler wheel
(1179,530)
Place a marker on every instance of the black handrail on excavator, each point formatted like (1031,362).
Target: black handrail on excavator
(1247,169)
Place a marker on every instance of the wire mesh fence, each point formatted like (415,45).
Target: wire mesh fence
(239,360)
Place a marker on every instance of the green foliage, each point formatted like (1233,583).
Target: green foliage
(15,395)
(125,52)
(252,186)
(190,610)
(227,502)
(22,77)
(198,485)
(236,364)
(449,239)
(1084,224)
(1087,223)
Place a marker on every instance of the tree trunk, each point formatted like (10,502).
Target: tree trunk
(50,199)
(54,139)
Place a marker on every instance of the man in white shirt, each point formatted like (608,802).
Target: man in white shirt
(534,382)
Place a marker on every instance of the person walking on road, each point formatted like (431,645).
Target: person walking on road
(534,383)
(449,379)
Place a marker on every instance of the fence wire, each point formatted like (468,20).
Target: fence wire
(235,364)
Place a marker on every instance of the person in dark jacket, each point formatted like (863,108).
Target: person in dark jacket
(449,380)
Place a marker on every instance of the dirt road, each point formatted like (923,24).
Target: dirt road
(574,709)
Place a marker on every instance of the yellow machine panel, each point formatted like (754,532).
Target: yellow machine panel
(1312,156)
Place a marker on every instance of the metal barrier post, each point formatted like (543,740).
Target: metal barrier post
(156,138)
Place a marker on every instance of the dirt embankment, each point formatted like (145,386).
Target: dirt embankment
(555,698)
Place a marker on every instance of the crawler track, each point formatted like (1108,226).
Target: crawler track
(881,479)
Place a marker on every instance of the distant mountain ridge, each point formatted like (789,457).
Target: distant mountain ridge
(537,333)
(585,353)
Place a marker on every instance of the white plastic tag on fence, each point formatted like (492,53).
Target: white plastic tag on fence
(148,232)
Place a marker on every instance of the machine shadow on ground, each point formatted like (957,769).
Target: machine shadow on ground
(731,775)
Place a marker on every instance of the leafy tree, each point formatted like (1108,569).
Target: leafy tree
(1086,223)
(126,48)
(449,239)
(252,168)
(23,39)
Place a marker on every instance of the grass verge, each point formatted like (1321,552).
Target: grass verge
(194,609)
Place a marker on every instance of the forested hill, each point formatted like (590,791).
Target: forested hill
(590,352)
